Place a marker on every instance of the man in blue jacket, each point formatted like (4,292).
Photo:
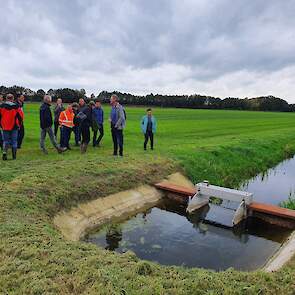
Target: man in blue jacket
(97,115)
(118,121)
(148,127)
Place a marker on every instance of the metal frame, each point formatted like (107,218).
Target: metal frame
(206,190)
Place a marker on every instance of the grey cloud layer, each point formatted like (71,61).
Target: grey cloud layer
(218,47)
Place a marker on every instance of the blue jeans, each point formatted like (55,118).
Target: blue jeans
(77,132)
(65,134)
(9,139)
(117,136)
(1,139)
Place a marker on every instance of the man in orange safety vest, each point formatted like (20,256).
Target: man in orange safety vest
(66,122)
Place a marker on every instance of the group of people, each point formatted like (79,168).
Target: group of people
(77,118)
(12,129)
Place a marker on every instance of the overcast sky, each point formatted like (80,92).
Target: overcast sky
(217,47)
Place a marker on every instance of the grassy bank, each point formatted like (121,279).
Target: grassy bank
(225,147)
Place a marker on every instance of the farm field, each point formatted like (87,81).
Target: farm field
(224,147)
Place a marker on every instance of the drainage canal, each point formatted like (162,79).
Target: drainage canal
(168,235)
(275,185)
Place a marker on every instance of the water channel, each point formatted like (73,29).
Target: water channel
(168,235)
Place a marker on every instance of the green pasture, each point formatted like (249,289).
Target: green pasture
(224,147)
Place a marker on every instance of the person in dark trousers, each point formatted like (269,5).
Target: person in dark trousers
(57,110)
(85,120)
(46,123)
(117,120)
(21,132)
(11,117)
(76,128)
(97,116)
(148,127)
(1,136)
(66,122)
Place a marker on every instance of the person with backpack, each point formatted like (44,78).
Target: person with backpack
(148,127)
(11,117)
(118,121)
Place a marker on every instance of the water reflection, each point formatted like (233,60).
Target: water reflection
(113,237)
(168,235)
(275,185)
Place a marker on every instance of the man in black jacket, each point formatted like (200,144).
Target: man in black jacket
(46,125)
(21,132)
(85,118)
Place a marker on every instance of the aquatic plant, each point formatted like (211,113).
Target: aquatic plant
(290,203)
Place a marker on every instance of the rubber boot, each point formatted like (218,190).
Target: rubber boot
(14,150)
(4,156)
(84,148)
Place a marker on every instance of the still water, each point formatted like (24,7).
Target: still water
(275,185)
(169,236)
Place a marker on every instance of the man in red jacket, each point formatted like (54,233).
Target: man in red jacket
(1,138)
(11,117)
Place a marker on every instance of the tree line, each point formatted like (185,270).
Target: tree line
(195,101)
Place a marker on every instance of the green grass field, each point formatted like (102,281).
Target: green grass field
(224,147)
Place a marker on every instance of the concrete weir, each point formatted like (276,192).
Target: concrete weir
(75,223)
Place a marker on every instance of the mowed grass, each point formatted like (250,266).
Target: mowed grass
(225,147)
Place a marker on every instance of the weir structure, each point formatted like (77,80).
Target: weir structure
(76,222)
(199,196)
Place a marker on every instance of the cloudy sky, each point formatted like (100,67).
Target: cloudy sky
(217,47)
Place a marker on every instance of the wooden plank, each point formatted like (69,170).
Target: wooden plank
(178,189)
(272,210)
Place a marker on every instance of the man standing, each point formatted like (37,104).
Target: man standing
(1,137)
(46,124)
(57,110)
(97,114)
(21,132)
(85,120)
(148,127)
(117,120)
(11,119)
(76,128)
(66,121)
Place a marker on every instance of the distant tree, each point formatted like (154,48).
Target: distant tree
(197,101)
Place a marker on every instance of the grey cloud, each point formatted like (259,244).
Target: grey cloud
(96,43)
